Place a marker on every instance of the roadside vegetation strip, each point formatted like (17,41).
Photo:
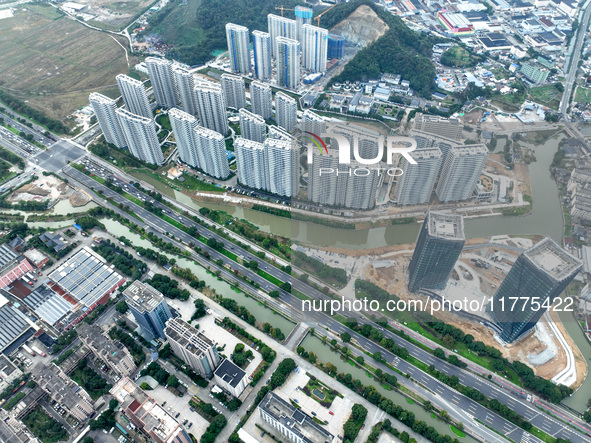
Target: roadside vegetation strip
(457,431)
(202,239)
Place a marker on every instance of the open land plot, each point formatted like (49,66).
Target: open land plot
(547,95)
(55,63)
(583,95)
(113,14)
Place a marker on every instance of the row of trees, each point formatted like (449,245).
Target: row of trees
(398,412)
(123,261)
(169,287)
(22,108)
(545,388)
(353,425)
(327,273)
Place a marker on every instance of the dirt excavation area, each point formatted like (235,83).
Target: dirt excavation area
(42,189)
(48,188)
(479,271)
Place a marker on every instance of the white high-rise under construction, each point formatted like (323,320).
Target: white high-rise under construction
(211,106)
(286,111)
(280,27)
(287,56)
(213,147)
(314,48)
(104,109)
(252,126)
(261,99)
(251,163)
(134,95)
(238,48)
(185,85)
(303,17)
(234,91)
(162,80)
(261,46)
(461,171)
(282,160)
(415,185)
(183,127)
(140,136)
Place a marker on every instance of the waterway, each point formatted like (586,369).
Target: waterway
(326,354)
(545,219)
(262,313)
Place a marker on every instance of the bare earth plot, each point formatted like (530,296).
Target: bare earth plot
(113,14)
(56,63)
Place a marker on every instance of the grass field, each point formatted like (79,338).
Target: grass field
(459,57)
(547,95)
(54,63)
(583,95)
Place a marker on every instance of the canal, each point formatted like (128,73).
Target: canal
(326,354)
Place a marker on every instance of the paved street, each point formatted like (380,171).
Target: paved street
(508,394)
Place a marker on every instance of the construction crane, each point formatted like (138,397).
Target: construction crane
(281,8)
(317,18)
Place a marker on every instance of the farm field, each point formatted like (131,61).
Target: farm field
(546,95)
(53,62)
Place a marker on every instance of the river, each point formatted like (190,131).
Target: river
(326,354)
(545,219)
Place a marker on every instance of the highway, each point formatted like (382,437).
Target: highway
(511,396)
(505,393)
(572,60)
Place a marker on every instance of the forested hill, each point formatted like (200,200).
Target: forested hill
(399,51)
(196,28)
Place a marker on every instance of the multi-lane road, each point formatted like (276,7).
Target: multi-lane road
(539,413)
(499,389)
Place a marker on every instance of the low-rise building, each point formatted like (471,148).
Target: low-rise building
(113,354)
(231,378)
(8,372)
(62,389)
(149,417)
(36,257)
(294,424)
(13,430)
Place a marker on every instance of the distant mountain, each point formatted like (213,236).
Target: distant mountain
(399,50)
(196,28)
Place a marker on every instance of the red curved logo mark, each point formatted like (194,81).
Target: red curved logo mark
(316,142)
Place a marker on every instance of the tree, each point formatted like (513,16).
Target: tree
(88,440)
(346,337)
(199,309)
(121,307)
(173,381)
(274,294)
(239,348)
(359,413)
(587,416)
(448,340)
(439,353)
(253,264)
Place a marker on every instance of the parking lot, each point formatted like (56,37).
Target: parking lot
(179,408)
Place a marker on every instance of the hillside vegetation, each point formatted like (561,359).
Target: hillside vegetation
(196,28)
(399,51)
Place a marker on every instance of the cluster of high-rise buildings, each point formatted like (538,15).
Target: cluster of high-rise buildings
(293,44)
(131,127)
(198,118)
(537,278)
